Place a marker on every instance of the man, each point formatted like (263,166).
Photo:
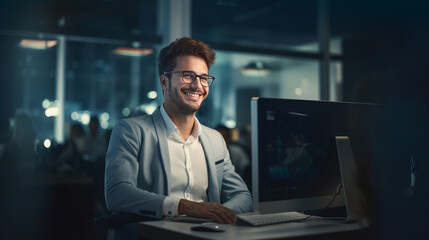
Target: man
(168,164)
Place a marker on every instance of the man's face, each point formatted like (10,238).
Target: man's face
(181,97)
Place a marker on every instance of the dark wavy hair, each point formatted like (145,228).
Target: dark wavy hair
(184,46)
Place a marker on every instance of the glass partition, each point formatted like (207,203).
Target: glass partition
(240,76)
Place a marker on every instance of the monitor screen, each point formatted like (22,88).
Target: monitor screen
(294,161)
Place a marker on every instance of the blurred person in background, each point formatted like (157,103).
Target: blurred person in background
(239,157)
(95,142)
(70,157)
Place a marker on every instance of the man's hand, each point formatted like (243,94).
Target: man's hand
(214,211)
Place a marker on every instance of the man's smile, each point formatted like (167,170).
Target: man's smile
(193,95)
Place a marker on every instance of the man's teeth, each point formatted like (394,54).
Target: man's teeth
(192,95)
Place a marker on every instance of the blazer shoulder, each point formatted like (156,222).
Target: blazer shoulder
(135,126)
(210,132)
(137,122)
(214,138)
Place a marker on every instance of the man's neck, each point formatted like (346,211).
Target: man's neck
(183,121)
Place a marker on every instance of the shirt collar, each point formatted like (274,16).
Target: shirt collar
(171,128)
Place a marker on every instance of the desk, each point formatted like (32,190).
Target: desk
(168,229)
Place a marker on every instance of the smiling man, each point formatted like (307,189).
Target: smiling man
(168,164)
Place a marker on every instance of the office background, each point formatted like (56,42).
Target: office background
(63,62)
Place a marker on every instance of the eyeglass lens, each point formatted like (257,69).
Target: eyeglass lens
(190,77)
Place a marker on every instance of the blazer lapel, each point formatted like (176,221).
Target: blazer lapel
(161,132)
(213,188)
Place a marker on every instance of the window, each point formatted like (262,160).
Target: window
(240,76)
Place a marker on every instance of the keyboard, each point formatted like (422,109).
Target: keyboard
(257,219)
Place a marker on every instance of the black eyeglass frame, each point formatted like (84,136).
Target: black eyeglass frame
(196,75)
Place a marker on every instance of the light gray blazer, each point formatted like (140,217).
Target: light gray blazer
(137,176)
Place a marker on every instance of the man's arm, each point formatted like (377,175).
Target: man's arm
(121,191)
(234,195)
(211,210)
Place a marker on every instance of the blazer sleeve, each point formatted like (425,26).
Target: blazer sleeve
(122,167)
(234,192)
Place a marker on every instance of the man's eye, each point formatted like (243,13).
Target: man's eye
(187,75)
(204,77)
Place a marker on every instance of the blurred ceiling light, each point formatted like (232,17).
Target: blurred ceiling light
(148,108)
(105,116)
(104,124)
(152,95)
(49,104)
(47,143)
(46,103)
(75,116)
(230,123)
(133,52)
(85,118)
(126,112)
(37,44)
(256,69)
(52,111)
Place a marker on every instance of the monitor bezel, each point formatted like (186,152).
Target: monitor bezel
(298,204)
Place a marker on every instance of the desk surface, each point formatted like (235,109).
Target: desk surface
(168,229)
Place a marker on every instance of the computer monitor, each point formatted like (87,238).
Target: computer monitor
(295,164)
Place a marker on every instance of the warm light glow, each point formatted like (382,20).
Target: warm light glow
(133,52)
(37,44)
(152,95)
(230,123)
(75,116)
(105,116)
(104,124)
(84,118)
(47,143)
(150,109)
(255,69)
(45,103)
(126,112)
(52,112)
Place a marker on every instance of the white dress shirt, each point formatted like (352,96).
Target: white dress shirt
(189,177)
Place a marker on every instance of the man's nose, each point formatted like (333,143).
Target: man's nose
(197,83)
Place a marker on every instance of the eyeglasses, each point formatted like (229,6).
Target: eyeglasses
(190,76)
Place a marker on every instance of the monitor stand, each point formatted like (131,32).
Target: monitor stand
(353,196)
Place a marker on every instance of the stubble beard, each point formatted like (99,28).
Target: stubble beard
(181,106)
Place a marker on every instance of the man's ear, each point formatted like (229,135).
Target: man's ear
(163,81)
